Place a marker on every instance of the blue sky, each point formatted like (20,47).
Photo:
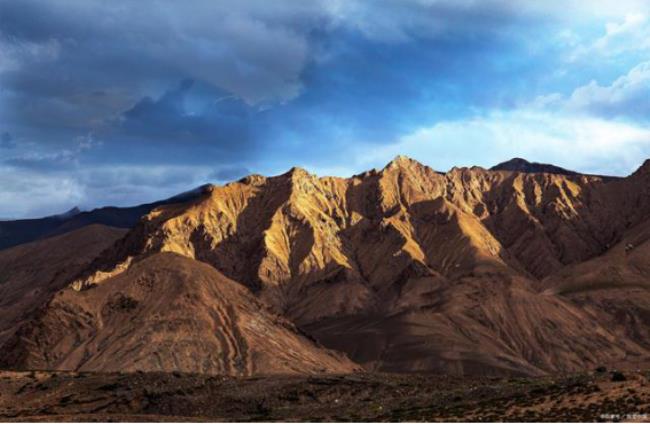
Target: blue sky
(125,102)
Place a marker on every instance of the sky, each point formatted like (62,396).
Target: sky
(126,102)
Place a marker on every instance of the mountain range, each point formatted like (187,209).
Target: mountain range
(521,269)
(15,232)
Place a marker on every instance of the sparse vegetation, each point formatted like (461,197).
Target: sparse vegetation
(357,397)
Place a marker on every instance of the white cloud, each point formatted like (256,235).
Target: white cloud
(29,194)
(627,96)
(576,132)
(586,144)
(14,54)
(32,193)
(630,33)
(594,9)
(620,35)
(631,23)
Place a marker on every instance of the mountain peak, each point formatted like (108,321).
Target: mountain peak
(522,165)
(401,162)
(190,194)
(69,214)
(516,161)
(254,179)
(297,172)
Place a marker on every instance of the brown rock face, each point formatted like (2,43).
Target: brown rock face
(403,269)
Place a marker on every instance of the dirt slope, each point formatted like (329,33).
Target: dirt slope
(30,274)
(168,313)
(613,288)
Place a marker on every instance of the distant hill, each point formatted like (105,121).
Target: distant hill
(16,232)
(522,165)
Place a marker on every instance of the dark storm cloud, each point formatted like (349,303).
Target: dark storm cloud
(179,117)
(213,89)
(135,44)
(271,82)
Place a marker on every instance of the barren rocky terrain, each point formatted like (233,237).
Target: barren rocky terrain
(521,271)
(403,269)
(79,396)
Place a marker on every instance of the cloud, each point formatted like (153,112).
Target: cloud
(255,50)
(603,9)
(632,23)
(32,194)
(229,173)
(591,145)
(398,21)
(627,35)
(173,94)
(16,54)
(65,159)
(44,161)
(220,44)
(208,121)
(35,192)
(626,97)
(370,92)
(128,185)
(87,142)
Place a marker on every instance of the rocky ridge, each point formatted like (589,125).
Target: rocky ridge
(408,269)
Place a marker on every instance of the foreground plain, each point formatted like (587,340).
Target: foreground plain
(72,396)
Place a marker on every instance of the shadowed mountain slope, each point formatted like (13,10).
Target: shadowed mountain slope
(522,165)
(167,313)
(613,287)
(32,273)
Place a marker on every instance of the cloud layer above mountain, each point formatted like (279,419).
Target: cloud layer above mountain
(124,102)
